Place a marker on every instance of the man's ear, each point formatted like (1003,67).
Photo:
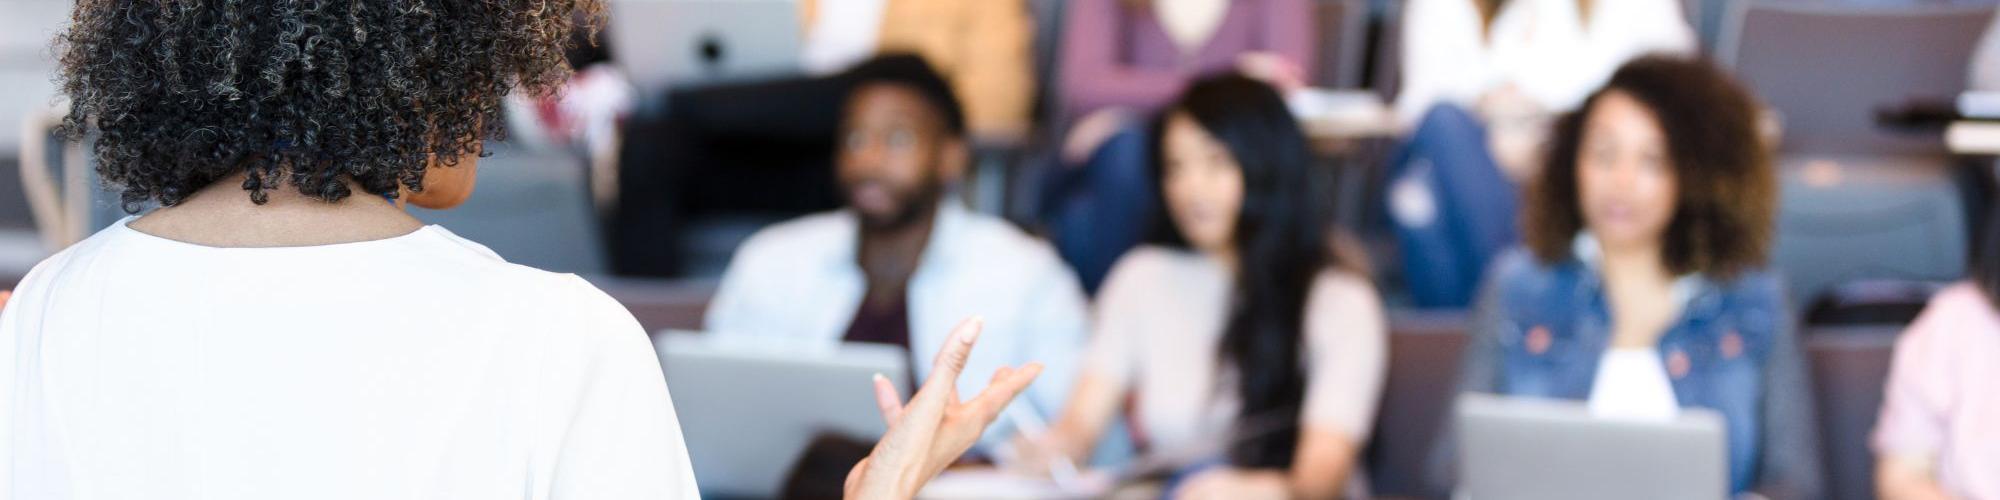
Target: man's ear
(954,158)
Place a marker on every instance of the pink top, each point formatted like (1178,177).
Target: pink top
(1117,55)
(1940,403)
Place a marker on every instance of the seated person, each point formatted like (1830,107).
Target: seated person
(767,146)
(1643,289)
(1253,356)
(903,262)
(1936,437)
(1481,79)
(1124,60)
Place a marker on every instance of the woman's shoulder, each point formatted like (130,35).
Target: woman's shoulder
(1144,272)
(1963,308)
(1147,261)
(483,278)
(1519,272)
(1346,297)
(1345,286)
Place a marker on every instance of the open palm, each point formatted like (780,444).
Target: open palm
(934,428)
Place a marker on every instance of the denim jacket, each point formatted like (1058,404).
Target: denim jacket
(1732,349)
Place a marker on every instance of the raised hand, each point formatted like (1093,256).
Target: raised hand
(934,428)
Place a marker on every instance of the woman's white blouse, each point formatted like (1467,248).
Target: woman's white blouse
(416,367)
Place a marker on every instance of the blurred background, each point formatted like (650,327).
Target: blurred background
(692,124)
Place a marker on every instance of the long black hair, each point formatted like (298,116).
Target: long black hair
(1281,245)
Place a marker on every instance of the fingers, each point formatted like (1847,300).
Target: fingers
(957,349)
(1000,374)
(919,419)
(889,400)
(1006,385)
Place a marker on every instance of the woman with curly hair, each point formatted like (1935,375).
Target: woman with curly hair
(1643,289)
(280,328)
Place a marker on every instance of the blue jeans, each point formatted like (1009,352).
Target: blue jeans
(1097,211)
(1452,208)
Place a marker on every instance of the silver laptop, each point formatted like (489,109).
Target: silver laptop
(749,408)
(664,43)
(1516,448)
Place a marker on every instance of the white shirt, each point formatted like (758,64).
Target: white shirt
(1632,384)
(799,280)
(1160,320)
(1541,46)
(416,367)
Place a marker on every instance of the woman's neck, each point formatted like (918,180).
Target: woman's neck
(222,215)
(1640,292)
(1225,257)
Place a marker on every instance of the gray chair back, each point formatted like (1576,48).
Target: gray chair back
(1849,368)
(1826,67)
(1853,218)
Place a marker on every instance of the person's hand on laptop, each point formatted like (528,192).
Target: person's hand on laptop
(935,428)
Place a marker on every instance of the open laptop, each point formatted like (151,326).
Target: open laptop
(669,43)
(1517,448)
(749,407)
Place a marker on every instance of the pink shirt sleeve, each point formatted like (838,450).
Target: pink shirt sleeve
(1918,394)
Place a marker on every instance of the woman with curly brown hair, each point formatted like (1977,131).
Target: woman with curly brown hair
(280,328)
(1642,289)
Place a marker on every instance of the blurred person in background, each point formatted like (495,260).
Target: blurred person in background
(1121,61)
(905,259)
(1642,289)
(768,146)
(1936,436)
(1263,382)
(1481,81)
(281,328)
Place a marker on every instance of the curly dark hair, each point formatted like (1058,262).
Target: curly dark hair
(185,93)
(1728,193)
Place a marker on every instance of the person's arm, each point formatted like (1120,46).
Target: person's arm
(620,436)
(1441,48)
(1911,430)
(734,308)
(1348,343)
(1094,77)
(1109,363)
(1060,332)
(1052,327)
(1788,454)
(1347,349)
(1479,365)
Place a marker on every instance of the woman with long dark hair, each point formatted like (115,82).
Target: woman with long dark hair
(1254,356)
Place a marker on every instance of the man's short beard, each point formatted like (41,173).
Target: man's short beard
(919,207)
